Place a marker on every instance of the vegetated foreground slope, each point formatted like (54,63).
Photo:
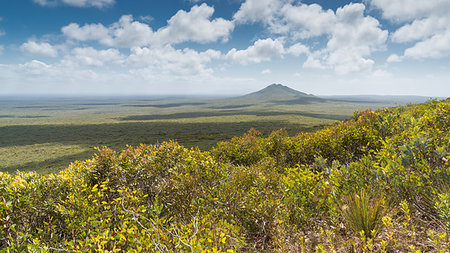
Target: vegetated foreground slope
(377,182)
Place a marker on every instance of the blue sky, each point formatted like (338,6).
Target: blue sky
(93,47)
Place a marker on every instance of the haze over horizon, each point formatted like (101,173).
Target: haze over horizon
(118,47)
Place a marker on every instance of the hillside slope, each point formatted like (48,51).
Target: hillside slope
(278,93)
(380,180)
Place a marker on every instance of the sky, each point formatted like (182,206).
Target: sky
(153,47)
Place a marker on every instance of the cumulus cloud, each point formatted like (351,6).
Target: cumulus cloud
(261,50)
(394,58)
(421,29)
(77,3)
(379,73)
(406,10)
(258,10)
(89,56)
(312,19)
(437,46)
(264,50)
(1,49)
(195,25)
(298,49)
(425,23)
(351,35)
(124,33)
(35,67)
(266,72)
(167,60)
(354,37)
(87,32)
(40,49)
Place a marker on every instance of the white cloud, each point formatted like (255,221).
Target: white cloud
(124,33)
(258,10)
(345,61)
(379,73)
(40,49)
(77,3)
(265,50)
(146,18)
(37,77)
(351,36)
(89,3)
(169,61)
(425,22)
(196,26)
(298,49)
(87,32)
(437,46)
(91,57)
(1,49)
(394,58)
(266,72)
(354,37)
(262,50)
(406,10)
(35,67)
(421,29)
(129,33)
(314,60)
(311,19)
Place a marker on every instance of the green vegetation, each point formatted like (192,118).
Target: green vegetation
(378,182)
(47,134)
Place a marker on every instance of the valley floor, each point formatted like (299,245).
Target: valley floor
(47,134)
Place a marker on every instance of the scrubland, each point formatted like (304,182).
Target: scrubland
(377,182)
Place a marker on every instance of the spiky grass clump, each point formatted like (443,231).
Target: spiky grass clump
(363,212)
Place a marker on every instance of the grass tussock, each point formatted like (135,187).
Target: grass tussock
(364,212)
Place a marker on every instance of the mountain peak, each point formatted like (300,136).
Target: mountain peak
(279,93)
(276,85)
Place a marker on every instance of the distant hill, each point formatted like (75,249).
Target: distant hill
(401,100)
(280,94)
(283,95)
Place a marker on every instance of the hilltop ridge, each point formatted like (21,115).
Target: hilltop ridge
(279,93)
